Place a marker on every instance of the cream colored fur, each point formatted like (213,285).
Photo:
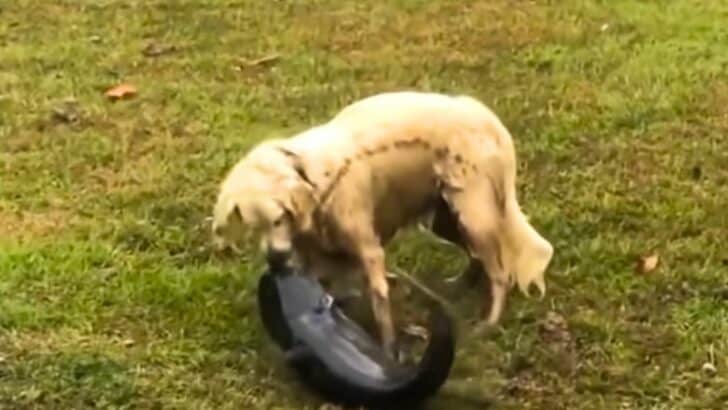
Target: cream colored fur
(344,188)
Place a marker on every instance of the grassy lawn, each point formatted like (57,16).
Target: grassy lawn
(110,297)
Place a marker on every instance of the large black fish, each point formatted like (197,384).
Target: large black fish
(337,358)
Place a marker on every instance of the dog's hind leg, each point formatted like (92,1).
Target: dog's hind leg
(445,225)
(479,219)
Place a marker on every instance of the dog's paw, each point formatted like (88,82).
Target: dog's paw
(392,276)
(416,331)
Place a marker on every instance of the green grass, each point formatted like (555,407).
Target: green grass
(111,298)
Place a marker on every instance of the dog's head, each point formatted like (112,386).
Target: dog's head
(266,194)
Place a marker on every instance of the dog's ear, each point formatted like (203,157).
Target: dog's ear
(226,222)
(234,214)
(226,213)
(301,203)
(301,198)
(231,212)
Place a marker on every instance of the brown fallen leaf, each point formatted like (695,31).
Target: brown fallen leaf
(258,62)
(155,50)
(647,263)
(263,60)
(127,342)
(121,91)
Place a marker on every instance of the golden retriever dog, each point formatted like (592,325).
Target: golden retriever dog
(333,196)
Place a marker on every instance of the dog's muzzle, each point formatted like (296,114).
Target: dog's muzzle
(278,258)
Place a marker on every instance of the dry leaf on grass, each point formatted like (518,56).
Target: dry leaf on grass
(121,91)
(262,60)
(647,263)
(155,49)
(258,62)
(127,342)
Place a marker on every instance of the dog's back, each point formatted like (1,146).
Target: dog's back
(419,130)
(409,142)
(419,113)
(403,144)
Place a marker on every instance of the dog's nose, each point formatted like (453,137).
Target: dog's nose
(277,258)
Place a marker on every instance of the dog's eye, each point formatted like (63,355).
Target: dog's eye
(278,222)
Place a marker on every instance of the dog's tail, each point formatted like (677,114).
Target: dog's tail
(526,254)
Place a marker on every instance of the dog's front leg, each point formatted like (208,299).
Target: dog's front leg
(373,261)
(355,225)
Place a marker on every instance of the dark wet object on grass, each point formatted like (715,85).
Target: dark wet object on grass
(339,360)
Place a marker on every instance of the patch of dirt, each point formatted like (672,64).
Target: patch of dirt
(25,225)
(524,383)
(554,331)
(556,336)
